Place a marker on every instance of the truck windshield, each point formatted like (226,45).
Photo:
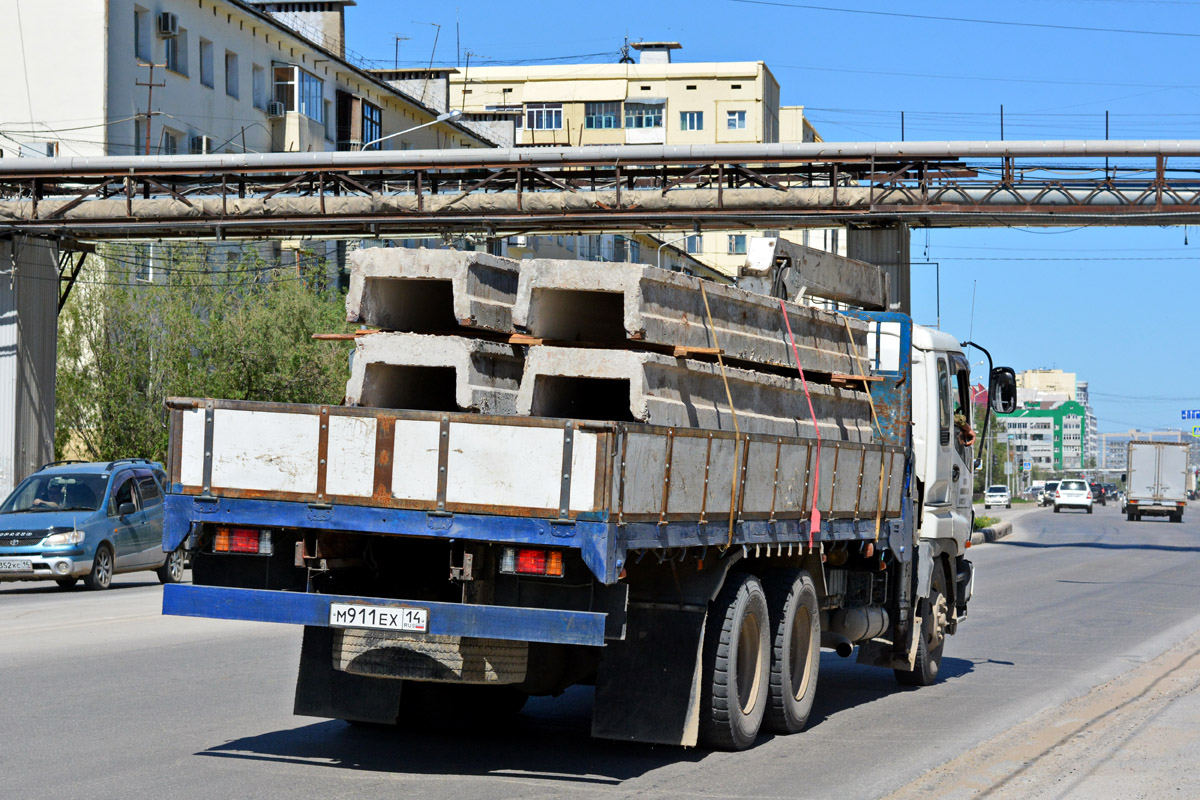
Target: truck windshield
(56,492)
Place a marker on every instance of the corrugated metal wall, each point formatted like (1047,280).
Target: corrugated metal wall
(28,347)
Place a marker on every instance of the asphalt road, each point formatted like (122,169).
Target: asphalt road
(103,697)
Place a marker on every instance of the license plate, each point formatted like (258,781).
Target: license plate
(15,565)
(384,618)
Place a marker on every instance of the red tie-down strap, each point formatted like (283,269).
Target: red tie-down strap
(815,518)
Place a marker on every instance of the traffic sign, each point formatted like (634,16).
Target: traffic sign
(1027,466)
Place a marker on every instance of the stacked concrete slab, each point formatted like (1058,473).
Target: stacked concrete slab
(601,344)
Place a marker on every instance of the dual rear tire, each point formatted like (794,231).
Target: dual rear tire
(761,655)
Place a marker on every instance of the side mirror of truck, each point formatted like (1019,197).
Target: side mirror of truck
(978,465)
(1124,478)
(1002,390)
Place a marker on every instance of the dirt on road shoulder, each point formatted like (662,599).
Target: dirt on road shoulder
(1136,736)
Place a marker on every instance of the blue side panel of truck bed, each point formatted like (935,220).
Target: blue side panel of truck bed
(446,619)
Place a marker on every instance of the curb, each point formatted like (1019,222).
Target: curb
(997,531)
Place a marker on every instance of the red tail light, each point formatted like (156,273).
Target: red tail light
(1056,494)
(1089,497)
(531,561)
(243,540)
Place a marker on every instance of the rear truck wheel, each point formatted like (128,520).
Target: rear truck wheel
(1129,516)
(795,617)
(1177,518)
(1056,509)
(1008,505)
(102,569)
(931,634)
(1089,509)
(737,665)
(172,569)
(65,583)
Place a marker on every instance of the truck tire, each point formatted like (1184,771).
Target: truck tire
(1177,517)
(931,635)
(1129,515)
(1089,509)
(737,665)
(1056,509)
(795,616)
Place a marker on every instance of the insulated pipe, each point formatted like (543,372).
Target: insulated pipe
(604,154)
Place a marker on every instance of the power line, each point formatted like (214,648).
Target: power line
(970,20)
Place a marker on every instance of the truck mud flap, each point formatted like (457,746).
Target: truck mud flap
(648,686)
(322,691)
(447,619)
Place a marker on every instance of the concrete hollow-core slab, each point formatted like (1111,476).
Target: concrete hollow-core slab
(608,304)
(425,291)
(435,373)
(620,385)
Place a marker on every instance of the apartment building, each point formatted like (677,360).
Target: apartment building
(229,76)
(1050,435)
(1114,446)
(657,100)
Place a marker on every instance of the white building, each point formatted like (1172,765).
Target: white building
(230,76)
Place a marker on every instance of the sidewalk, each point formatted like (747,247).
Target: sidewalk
(1136,736)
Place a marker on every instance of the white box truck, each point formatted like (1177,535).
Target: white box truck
(1156,481)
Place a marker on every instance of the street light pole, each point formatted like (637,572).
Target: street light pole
(664,244)
(449,115)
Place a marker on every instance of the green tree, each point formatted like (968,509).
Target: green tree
(240,332)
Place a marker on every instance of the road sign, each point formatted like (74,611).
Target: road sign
(1027,466)
(1008,468)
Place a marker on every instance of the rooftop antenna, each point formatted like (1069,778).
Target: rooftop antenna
(625,57)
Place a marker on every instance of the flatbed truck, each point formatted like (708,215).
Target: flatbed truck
(457,563)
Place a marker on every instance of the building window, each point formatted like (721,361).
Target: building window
(231,74)
(177,52)
(142,32)
(735,120)
(691,120)
(170,142)
(643,115)
(694,244)
(259,81)
(206,63)
(372,125)
(601,116)
(737,244)
(513,112)
(543,116)
(300,91)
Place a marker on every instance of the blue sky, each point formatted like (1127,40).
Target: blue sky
(1115,305)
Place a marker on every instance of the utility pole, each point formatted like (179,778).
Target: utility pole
(149,84)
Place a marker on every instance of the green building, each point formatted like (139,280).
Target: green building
(1050,435)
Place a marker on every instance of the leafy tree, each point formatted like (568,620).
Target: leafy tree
(241,331)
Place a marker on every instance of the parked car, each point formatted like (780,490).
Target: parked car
(997,496)
(1047,498)
(1097,493)
(72,520)
(1073,493)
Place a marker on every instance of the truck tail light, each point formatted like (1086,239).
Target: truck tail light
(1089,497)
(243,540)
(531,561)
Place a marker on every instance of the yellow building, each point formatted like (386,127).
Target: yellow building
(655,101)
(1048,381)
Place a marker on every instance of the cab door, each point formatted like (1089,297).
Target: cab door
(962,455)
(127,549)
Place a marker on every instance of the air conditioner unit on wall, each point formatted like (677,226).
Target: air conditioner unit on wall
(168,24)
(276,109)
(201,145)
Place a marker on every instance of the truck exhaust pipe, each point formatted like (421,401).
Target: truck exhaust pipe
(838,643)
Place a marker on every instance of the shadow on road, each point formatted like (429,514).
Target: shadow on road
(1168,548)
(49,587)
(550,740)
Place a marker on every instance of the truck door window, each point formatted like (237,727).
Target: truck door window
(945,416)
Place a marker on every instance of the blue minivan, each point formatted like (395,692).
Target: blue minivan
(72,520)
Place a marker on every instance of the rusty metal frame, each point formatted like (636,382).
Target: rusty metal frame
(943,190)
